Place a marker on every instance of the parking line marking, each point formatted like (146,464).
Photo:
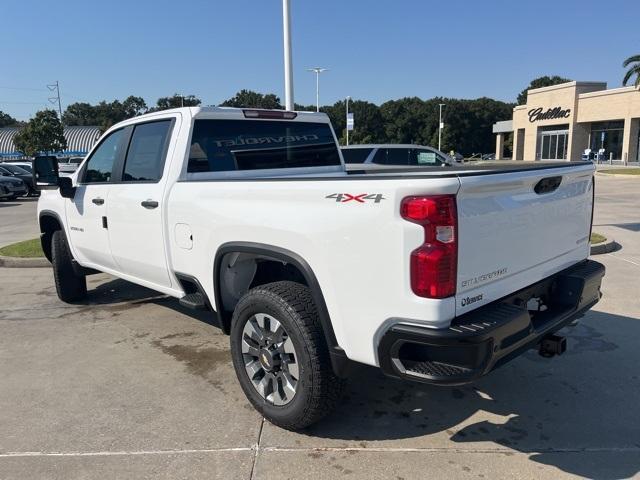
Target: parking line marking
(324,449)
(123,452)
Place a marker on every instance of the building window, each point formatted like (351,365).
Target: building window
(606,140)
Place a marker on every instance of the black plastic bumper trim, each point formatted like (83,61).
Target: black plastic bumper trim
(478,342)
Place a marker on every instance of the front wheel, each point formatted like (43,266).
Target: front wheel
(281,357)
(70,286)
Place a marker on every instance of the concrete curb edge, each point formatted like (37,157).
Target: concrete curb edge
(604,247)
(17,262)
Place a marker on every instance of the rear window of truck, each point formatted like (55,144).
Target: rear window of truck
(228,145)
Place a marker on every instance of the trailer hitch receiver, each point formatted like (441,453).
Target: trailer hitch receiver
(552,345)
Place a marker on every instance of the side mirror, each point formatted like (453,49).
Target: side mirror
(45,173)
(67,190)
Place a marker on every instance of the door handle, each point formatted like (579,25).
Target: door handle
(149,204)
(98,201)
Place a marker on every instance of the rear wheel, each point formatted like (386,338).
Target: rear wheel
(70,286)
(281,357)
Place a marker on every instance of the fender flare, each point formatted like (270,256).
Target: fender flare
(56,217)
(339,359)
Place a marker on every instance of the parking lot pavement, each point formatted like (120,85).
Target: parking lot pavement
(18,220)
(129,385)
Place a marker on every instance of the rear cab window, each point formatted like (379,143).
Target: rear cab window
(246,145)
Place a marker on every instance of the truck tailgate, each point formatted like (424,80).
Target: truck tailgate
(518,228)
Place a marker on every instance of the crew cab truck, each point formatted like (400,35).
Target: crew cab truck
(436,275)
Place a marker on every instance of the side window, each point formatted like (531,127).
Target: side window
(355,155)
(392,156)
(100,165)
(425,157)
(145,157)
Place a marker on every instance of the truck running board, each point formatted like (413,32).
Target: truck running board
(194,301)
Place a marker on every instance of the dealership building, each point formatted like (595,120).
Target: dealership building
(574,121)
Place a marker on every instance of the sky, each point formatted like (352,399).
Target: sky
(375,50)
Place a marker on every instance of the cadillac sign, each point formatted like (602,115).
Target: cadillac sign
(536,114)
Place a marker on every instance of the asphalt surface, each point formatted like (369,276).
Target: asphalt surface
(18,220)
(128,385)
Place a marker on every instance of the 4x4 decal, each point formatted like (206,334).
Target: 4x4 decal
(360,198)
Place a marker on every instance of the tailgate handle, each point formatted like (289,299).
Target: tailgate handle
(547,185)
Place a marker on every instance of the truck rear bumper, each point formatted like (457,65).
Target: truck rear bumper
(480,341)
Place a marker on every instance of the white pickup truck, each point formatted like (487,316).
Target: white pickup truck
(436,275)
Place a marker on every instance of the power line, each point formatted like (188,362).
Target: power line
(23,103)
(25,88)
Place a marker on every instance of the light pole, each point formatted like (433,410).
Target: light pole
(318,71)
(440,127)
(288,61)
(347,117)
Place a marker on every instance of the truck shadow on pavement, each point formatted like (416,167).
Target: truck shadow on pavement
(579,412)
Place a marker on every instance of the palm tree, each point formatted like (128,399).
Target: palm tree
(633,62)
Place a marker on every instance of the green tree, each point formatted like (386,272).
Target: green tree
(104,114)
(540,82)
(7,120)
(633,62)
(80,113)
(250,99)
(176,101)
(43,133)
(134,106)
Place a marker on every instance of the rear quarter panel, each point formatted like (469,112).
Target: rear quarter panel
(358,251)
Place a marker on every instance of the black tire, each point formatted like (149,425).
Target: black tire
(70,286)
(318,389)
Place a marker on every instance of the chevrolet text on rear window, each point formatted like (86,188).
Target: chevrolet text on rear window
(433,274)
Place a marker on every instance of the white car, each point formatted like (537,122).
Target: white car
(435,275)
(69,165)
(395,155)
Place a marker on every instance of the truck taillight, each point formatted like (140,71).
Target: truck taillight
(434,263)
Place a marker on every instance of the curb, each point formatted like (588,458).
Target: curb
(626,175)
(604,247)
(17,262)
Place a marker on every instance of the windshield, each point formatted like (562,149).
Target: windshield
(15,169)
(228,145)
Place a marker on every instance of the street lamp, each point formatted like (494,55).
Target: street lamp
(318,71)
(288,62)
(347,117)
(440,125)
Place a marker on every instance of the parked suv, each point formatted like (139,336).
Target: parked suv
(397,155)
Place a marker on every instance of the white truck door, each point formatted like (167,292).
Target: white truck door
(136,210)
(87,211)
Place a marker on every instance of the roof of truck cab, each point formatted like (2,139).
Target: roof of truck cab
(231,112)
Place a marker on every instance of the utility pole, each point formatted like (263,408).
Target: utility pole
(288,61)
(56,88)
(440,125)
(318,71)
(347,117)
